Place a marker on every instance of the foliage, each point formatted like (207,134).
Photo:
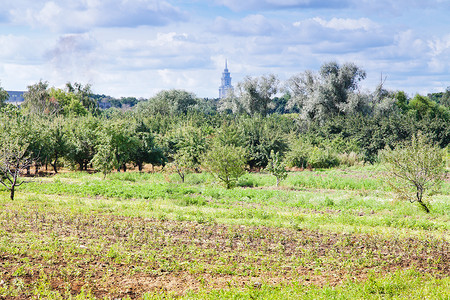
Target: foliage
(105,159)
(169,102)
(276,167)
(442,98)
(260,136)
(226,162)
(329,93)
(147,151)
(14,154)
(38,101)
(68,103)
(254,96)
(416,169)
(84,95)
(4,96)
(185,144)
(303,153)
(82,139)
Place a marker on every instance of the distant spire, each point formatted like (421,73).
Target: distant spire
(226,86)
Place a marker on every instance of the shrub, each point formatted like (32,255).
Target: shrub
(322,158)
(349,159)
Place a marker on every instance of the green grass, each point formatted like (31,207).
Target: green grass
(327,200)
(399,285)
(76,235)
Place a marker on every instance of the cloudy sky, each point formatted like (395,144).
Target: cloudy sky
(139,47)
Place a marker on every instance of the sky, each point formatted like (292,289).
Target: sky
(140,47)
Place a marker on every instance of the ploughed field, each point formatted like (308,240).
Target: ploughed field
(322,234)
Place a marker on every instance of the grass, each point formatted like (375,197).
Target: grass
(328,234)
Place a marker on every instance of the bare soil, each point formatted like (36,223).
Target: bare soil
(117,256)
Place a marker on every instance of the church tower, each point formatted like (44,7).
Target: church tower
(226,82)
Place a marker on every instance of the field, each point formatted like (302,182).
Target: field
(323,234)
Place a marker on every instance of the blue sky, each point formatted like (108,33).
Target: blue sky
(139,47)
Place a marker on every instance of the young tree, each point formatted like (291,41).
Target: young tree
(260,136)
(104,159)
(14,152)
(416,169)
(184,146)
(276,167)
(13,161)
(226,163)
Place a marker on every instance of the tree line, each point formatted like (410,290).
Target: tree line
(322,119)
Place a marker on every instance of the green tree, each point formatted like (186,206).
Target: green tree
(254,96)
(104,159)
(331,92)
(147,150)
(4,96)
(276,167)
(226,163)
(68,102)
(185,145)
(124,140)
(260,136)
(57,140)
(421,106)
(13,161)
(14,154)
(416,169)
(38,100)
(401,100)
(169,103)
(82,134)
(84,95)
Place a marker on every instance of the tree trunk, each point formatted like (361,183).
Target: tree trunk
(55,166)
(140,167)
(12,193)
(424,206)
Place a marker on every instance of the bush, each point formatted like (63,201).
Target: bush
(349,159)
(303,153)
(322,158)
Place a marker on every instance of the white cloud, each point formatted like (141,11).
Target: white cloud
(138,47)
(250,25)
(345,24)
(67,16)
(258,5)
